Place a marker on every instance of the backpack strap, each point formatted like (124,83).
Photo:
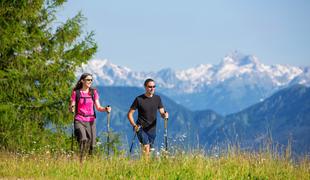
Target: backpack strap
(77,99)
(92,93)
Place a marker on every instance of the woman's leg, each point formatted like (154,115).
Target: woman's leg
(80,129)
(92,142)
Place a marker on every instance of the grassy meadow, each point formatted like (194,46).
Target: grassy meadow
(183,166)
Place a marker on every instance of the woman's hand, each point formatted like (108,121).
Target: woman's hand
(72,108)
(105,109)
(108,109)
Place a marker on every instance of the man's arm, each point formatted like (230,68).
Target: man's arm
(130,117)
(131,120)
(164,114)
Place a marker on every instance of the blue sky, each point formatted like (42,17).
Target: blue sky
(150,35)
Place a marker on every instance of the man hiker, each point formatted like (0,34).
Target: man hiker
(147,105)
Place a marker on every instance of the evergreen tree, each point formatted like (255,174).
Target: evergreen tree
(37,65)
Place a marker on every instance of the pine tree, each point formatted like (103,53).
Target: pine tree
(37,65)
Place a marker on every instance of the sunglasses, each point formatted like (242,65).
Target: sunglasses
(151,86)
(89,80)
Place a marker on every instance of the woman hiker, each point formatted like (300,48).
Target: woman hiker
(84,100)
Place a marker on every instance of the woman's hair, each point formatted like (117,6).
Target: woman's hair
(79,84)
(147,81)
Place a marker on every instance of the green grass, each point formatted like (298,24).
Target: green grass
(188,166)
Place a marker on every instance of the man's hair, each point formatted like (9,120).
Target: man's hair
(147,81)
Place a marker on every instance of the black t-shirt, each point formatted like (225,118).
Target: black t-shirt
(147,110)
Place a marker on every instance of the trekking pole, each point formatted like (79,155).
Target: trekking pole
(132,142)
(72,137)
(166,134)
(108,130)
(72,133)
(133,139)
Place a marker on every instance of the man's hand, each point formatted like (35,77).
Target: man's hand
(137,128)
(165,115)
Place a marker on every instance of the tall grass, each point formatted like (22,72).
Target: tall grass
(233,165)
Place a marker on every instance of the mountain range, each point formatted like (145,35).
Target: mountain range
(237,82)
(240,101)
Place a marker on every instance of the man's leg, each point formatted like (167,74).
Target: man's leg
(145,144)
(151,138)
(146,150)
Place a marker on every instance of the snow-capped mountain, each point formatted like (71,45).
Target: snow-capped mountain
(235,83)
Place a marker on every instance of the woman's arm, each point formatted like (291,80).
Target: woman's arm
(100,108)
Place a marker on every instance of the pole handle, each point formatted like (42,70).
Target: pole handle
(107,107)
(166,121)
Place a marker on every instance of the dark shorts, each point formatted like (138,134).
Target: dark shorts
(85,131)
(146,137)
